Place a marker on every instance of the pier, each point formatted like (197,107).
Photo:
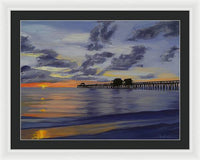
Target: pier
(150,85)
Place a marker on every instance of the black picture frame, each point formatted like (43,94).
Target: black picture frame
(16,16)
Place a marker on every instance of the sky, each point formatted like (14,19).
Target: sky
(61,52)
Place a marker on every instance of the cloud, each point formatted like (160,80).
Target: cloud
(29,75)
(124,62)
(90,71)
(26,44)
(86,67)
(97,58)
(25,68)
(94,46)
(45,57)
(105,31)
(148,76)
(49,59)
(87,71)
(76,38)
(170,54)
(101,34)
(168,28)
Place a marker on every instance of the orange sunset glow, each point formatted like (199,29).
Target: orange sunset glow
(67,84)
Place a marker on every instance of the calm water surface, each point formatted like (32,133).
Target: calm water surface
(81,113)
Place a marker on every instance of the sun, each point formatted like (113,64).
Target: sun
(43,110)
(42,98)
(43,86)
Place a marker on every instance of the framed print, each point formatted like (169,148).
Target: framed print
(100,79)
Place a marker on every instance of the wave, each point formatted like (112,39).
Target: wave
(163,115)
(158,131)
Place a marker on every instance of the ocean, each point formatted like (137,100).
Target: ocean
(86,113)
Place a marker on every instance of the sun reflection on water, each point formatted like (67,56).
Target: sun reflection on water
(40,134)
(69,131)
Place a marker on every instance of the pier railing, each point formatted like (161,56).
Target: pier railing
(151,85)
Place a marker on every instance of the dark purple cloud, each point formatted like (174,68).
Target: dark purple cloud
(49,56)
(125,61)
(168,28)
(97,58)
(90,61)
(170,54)
(101,34)
(106,30)
(29,75)
(49,59)
(25,68)
(26,44)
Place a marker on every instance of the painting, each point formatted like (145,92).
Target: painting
(105,81)
(100,79)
